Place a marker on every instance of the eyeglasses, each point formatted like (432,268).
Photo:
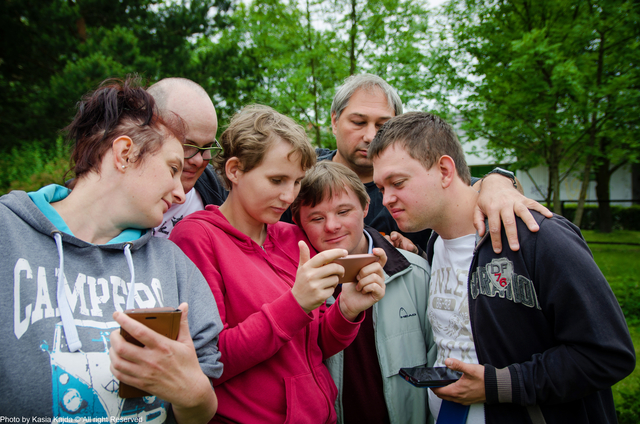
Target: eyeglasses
(207,152)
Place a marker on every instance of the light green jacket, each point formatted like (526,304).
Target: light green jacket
(403,339)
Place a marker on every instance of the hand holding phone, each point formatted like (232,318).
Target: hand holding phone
(315,277)
(353,264)
(430,376)
(165,321)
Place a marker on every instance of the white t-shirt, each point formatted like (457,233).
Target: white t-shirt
(173,215)
(448,310)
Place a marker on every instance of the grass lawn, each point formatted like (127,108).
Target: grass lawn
(620,264)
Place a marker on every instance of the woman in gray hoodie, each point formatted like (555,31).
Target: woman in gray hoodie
(73,260)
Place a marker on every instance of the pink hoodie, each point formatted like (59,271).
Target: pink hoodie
(272,350)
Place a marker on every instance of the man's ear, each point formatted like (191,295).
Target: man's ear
(334,123)
(123,152)
(232,169)
(366,210)
(447,169)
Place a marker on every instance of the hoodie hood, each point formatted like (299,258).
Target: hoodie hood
(45,219)
(213,216)
(279,250)
(275,238)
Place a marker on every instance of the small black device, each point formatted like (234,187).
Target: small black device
(430,376)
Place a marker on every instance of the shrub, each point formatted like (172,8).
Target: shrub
(29,168)
(624,217)
(628,294)
(628,410)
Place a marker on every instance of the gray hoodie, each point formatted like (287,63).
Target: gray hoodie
(39,375)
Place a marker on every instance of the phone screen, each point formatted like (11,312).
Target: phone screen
(430,376)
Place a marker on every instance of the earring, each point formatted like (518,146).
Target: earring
(123,167)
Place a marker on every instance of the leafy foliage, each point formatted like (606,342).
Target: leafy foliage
(289,55)
(53,52)
(622,217)
(29,168)
(292,55)
(549,81)
(628,411)
(619,265)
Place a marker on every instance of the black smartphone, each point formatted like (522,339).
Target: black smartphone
(165,320)
(430,376)
(353,264)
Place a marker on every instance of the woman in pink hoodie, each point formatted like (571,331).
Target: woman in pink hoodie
(270,292)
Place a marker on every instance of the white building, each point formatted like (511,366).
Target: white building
(624,185)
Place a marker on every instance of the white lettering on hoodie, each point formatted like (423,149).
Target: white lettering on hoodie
(38,305)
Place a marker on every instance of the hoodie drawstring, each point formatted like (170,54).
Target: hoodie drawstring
(132,289)
(70,330)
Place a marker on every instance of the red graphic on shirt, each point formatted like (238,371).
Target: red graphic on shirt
(501,281)
(500,272)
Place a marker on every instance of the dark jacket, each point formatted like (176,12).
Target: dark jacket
(210,187)
(547,327)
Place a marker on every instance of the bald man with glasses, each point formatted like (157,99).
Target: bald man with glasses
(200,182)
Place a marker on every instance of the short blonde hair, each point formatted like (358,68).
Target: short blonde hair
(322,181)
(252,132)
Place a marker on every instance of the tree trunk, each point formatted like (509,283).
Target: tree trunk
(352,38)
(555,184)
(635,183)
(586,174)
(577,219)
(547,198)
(603,178)
(554,176)
(314,82)
(593,130)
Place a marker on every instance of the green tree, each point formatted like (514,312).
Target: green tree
(292,55)
(547,81)
(389,38)
(618,96)
(271,53)
(53,52)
